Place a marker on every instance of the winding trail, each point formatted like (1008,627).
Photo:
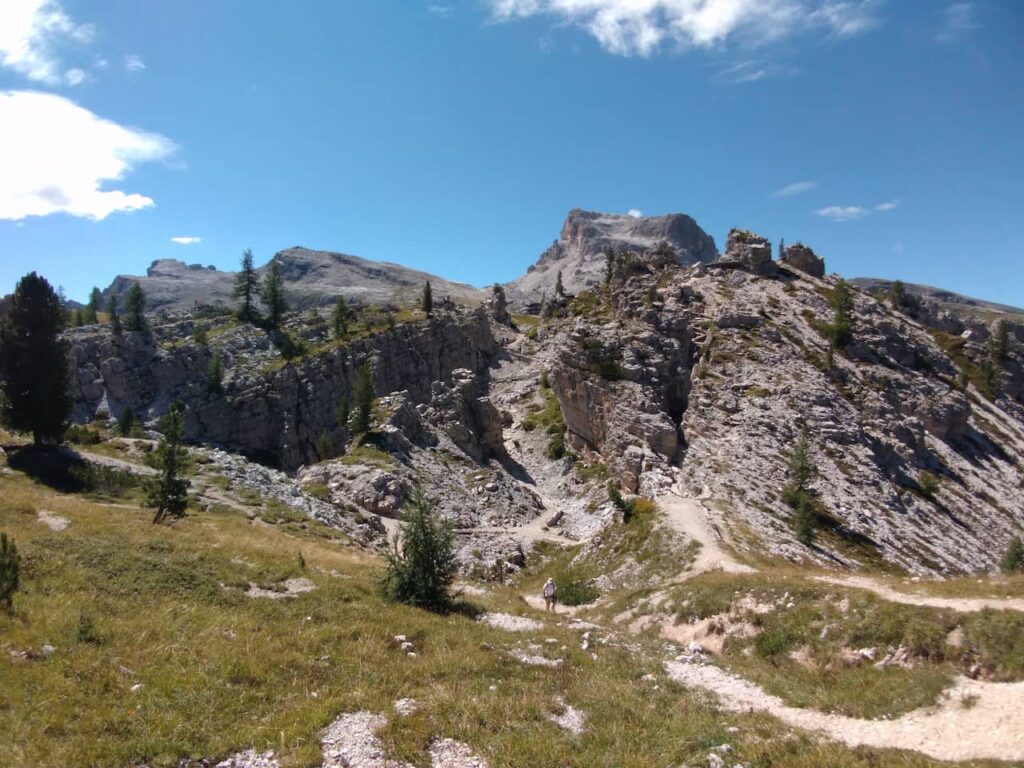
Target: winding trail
(974,720)
(688,516)
(960,604)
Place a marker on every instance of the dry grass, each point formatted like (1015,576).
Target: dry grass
(220,671)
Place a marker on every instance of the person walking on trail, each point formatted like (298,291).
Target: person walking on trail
(550,593)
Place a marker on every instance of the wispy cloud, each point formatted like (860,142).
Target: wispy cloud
(795,188)
(957,22)
(57,157)
(842,212)
(440,9)
(186,240)
(888,205)
(636,213)
(134,63)
(31,34)
(644,27)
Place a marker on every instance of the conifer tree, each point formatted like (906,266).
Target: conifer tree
(92,307)
(341,317)
(273,296)
(115,319)
(999,341)
(841,329)
(797,491)
(34,374)
(126,423)
(343,416)
(782,248)
(246,289)
(1013,558)
(363,395)
(559,288)
(422,567)
(135,309)
(168,491)
(427,301)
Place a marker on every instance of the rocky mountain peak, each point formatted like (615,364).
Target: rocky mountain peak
(579,253)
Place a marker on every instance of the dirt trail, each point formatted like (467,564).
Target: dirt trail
(975,720)
(689,517)
(961,604)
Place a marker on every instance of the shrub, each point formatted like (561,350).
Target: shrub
(545,382)
(87,632)
(82,435)
(929,484)
(421,567)
(10,571)
(1013,558)
(215,375)
(574,589)
(103,480)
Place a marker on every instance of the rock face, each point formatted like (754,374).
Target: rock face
(579,253)
(750,252)
(310,278)
(799,256)
(270,410)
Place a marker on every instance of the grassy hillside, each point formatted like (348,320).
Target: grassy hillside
(158,656)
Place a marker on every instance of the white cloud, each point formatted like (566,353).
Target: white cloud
(642,27)
(842,212)
(186,240)
(957,22)
(56,157)
(30,33)
(636,213)
(134,63)
(795,188)
(888,205)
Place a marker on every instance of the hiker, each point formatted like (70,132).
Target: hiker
(550,593)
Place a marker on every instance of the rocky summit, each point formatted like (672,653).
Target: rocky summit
(579,254)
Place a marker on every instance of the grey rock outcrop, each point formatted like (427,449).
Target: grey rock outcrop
(799,256)
(749,252)
(579,253)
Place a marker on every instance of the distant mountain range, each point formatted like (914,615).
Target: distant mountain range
(310,278)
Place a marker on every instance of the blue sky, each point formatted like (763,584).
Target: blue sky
(454,136)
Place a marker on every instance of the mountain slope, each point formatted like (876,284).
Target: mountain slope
(310,278)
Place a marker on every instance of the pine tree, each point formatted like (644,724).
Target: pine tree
(341,318)
(422,567)
(34,374)
(92,307)
(115,319)
(10,571)
(126,424)
(427,301)
(246,288)
(841,329)
(1013,558)
(782,248)
(559,288)
(215,375)
(609,268)
(897,294)
(363,396)
(168,492)
(797,491)
(135,309)
(999,341)
(273,296)
(78,318)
